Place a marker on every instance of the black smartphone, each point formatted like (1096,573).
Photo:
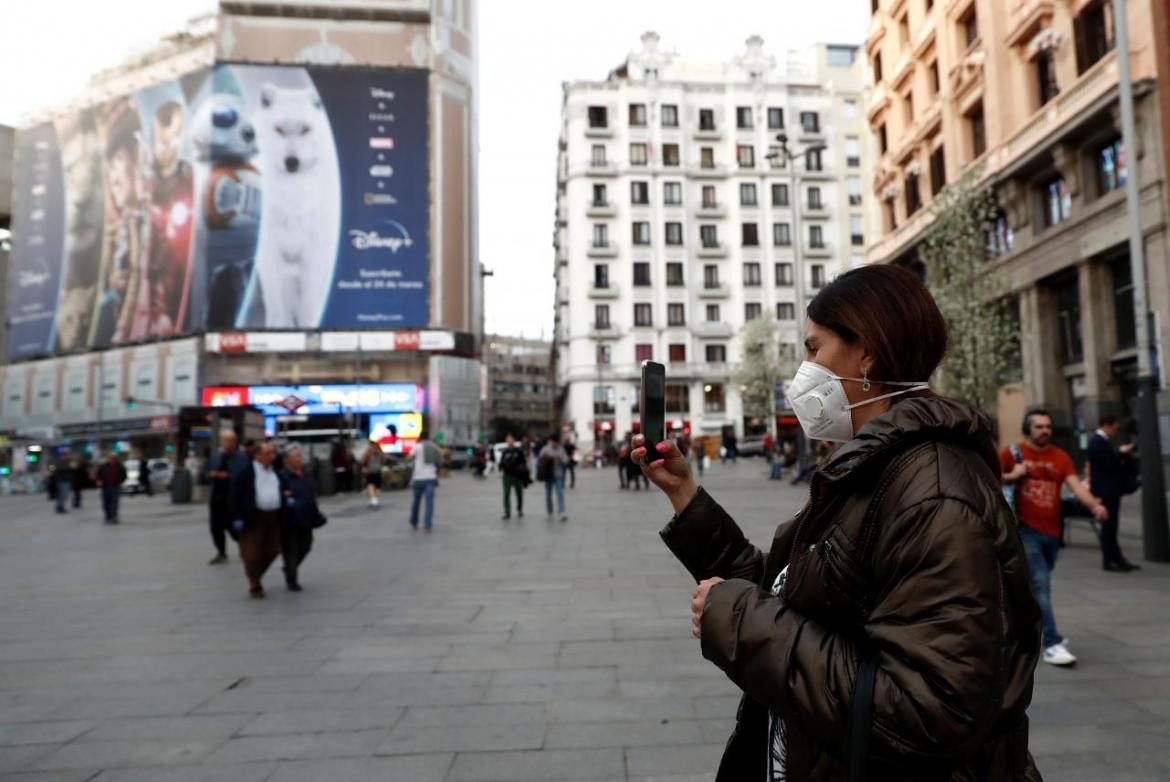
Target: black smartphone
(652,404)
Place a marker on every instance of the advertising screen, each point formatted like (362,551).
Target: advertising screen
(240,197)
(313,400)
(396,432)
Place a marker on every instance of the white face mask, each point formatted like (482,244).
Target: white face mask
(818,398)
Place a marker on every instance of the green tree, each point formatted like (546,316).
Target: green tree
(764,366)
(972,298)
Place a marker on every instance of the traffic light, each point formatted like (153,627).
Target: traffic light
(130,403)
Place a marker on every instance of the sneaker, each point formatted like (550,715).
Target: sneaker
(1058,654)
(218,559)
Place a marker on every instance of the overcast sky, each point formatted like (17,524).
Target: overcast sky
(527,49)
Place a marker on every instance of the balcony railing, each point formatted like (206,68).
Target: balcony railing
(609,290)
(601,209)
(718,290)
(712,250)
(607,250)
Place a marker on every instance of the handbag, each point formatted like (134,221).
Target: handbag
(857,729)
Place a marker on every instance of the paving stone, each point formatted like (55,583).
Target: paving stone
(550,764)
(401,768)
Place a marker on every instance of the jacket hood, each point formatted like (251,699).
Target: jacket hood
(912,420)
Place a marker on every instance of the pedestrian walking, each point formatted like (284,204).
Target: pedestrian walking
(226,464)
(1036,470)
(730,447)
(890,629)
(623,461)
(551,470)
(515,476)
(571,452)
(300,517)
(144,477)
(372,461)
(424,481)
(64,475)
(81,480)
(110,477)
(256,502)
(1111,476)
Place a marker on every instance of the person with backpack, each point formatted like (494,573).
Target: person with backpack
(889,632)
(372,461)
(424,480)
(515,476)
(550,468)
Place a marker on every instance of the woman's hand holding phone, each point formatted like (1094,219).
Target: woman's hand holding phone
(667,469)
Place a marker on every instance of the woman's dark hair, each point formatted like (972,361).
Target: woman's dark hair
(888,310)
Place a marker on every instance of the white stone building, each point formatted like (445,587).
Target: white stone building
(675,226)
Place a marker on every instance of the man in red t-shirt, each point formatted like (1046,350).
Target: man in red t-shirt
(1037,470)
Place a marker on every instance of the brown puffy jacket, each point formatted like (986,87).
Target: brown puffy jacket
(906,551)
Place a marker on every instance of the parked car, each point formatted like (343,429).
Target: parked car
(161,472)
(751,446)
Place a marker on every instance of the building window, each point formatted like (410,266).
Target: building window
(752,310)
(603,355)
(598,117)
(1000,238)
(913,195)
(745,154)
(969,27)
(670,156)
(1056,200)
(1110,165)
(751,234)
(883,139)
(600,275)
(677,398)
(637,115)
(674,233)
(601,316)
(600,235)
(642,315)
(709,201)
(643,352)
(706,119)
(676,315)
(938,171)
(908,107)
(1123,313)
(710,276)
(854,186)
(1093,29)
(816,237)
(743,117)
(712,313)
(706,157)
(814,198)
(775,119)
(785,310)
(669,115)
(783,273)
(641,232)
(677,353)
(599,196)
(1068,304)
(747,194)
(781,235)
(638,154)
(810,122)
(674,274)
(779,195)
(818,275)
(672,193)
(840,56)
(852,152)
(641,273)
(891,215)
(977,131)
(639,193)
(849,109)
(604,400)
(1046,86)
(812,160)
(597,156)
(933,78)
(716,354)
(877,67)
(751,275)
(856,235)
(708,236)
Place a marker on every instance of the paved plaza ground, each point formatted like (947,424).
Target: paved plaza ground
(527,650)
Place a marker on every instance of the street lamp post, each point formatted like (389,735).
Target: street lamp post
(1155,532)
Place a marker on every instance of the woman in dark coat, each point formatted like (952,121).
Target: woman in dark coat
(299,518)
(890,628)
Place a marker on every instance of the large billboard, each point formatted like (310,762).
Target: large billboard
(240,197)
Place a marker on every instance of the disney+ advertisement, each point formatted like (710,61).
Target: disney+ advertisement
(240,197)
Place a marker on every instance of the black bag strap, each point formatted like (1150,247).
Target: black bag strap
(857,729)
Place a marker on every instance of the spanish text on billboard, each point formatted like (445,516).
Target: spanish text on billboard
(236,197)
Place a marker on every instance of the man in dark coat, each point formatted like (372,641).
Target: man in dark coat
(1109,477)
(110,477)
(221,468)
(256,501)
(300,516)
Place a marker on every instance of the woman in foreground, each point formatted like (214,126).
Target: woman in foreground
(889,632)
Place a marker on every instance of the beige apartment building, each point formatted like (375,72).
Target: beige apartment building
(1027,90)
